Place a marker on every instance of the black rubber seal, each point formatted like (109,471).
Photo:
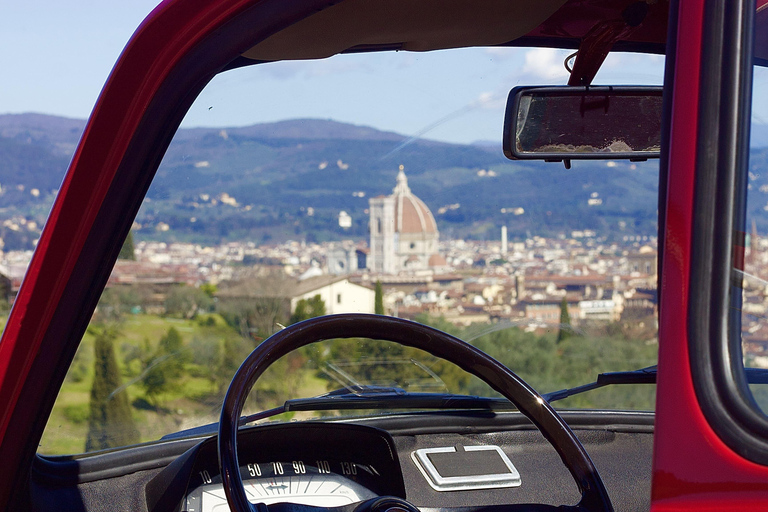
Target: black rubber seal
(714,314)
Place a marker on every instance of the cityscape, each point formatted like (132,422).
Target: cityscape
(528,283)
(479,282)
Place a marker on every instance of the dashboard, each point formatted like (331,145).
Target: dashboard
(461,461)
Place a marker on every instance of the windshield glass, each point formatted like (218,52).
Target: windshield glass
(370,183)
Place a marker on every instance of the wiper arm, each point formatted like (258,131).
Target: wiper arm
(364,397)
(381,397)
(642,376)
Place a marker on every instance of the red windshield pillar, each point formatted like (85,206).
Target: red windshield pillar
(693,469)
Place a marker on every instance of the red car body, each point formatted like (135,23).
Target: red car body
(172,55)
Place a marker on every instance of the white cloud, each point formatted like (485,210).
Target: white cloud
(619,59)
(545,64)
(490,100)
(631,68)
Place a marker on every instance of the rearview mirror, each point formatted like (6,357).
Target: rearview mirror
(570,123)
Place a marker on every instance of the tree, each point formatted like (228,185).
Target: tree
(127,251)
(255,318)
(117,301)
(209,289)
(378,302)
(186,301)
(165,367)
(566,331)
(110,422)
(308,308)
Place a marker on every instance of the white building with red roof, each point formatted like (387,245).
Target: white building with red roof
(403,231)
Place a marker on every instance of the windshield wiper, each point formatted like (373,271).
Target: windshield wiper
(381,397)
(642,376)
(365,397)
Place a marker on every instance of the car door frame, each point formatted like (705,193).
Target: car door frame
(703,459)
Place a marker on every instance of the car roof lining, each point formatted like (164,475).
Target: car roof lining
(421,25)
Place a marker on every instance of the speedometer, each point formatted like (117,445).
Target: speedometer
(317,484)
(322,491)
(320,464)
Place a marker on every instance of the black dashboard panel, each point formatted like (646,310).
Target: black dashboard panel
(623,459)
(160,476)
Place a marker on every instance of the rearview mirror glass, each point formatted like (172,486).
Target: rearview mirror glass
(569,123)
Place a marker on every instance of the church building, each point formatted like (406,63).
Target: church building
(403,232)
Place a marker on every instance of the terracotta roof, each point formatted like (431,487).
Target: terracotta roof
(437,261)
(448,277)
(315,283)
(279,287)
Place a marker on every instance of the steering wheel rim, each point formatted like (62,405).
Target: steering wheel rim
(594,495)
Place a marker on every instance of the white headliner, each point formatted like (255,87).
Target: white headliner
(417,25)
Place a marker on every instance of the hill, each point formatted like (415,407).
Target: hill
(290,180)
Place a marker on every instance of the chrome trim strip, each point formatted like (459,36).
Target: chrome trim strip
(463,483)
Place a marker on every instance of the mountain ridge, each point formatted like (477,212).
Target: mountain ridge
(290,179)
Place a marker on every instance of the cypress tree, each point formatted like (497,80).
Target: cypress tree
(308,308)
(378,302)
(565,322)
(316,306)
(166,367)
(110,423)
(127,251)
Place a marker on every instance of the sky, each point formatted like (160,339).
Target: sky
(57,55)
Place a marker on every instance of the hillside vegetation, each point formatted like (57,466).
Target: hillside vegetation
(174,373)
(289,180)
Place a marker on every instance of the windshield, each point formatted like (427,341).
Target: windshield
(370,183)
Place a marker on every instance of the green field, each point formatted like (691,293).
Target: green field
(210,354)
(208,351)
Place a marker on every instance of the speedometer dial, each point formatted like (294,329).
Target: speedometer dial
(320,464)
(317,490)
(292,482)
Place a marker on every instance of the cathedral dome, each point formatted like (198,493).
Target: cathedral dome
(403,231)
(411,214)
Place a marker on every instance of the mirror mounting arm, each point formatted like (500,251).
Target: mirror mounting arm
(566,162)
(600,39)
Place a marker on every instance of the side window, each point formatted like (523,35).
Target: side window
(753,274)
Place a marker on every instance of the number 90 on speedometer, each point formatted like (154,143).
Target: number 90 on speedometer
(321,483)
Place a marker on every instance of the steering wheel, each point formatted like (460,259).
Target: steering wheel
(593,493)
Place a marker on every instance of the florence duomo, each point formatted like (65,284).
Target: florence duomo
(403,232)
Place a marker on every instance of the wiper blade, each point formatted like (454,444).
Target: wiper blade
(364,397)
(381,397)
(642,376)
